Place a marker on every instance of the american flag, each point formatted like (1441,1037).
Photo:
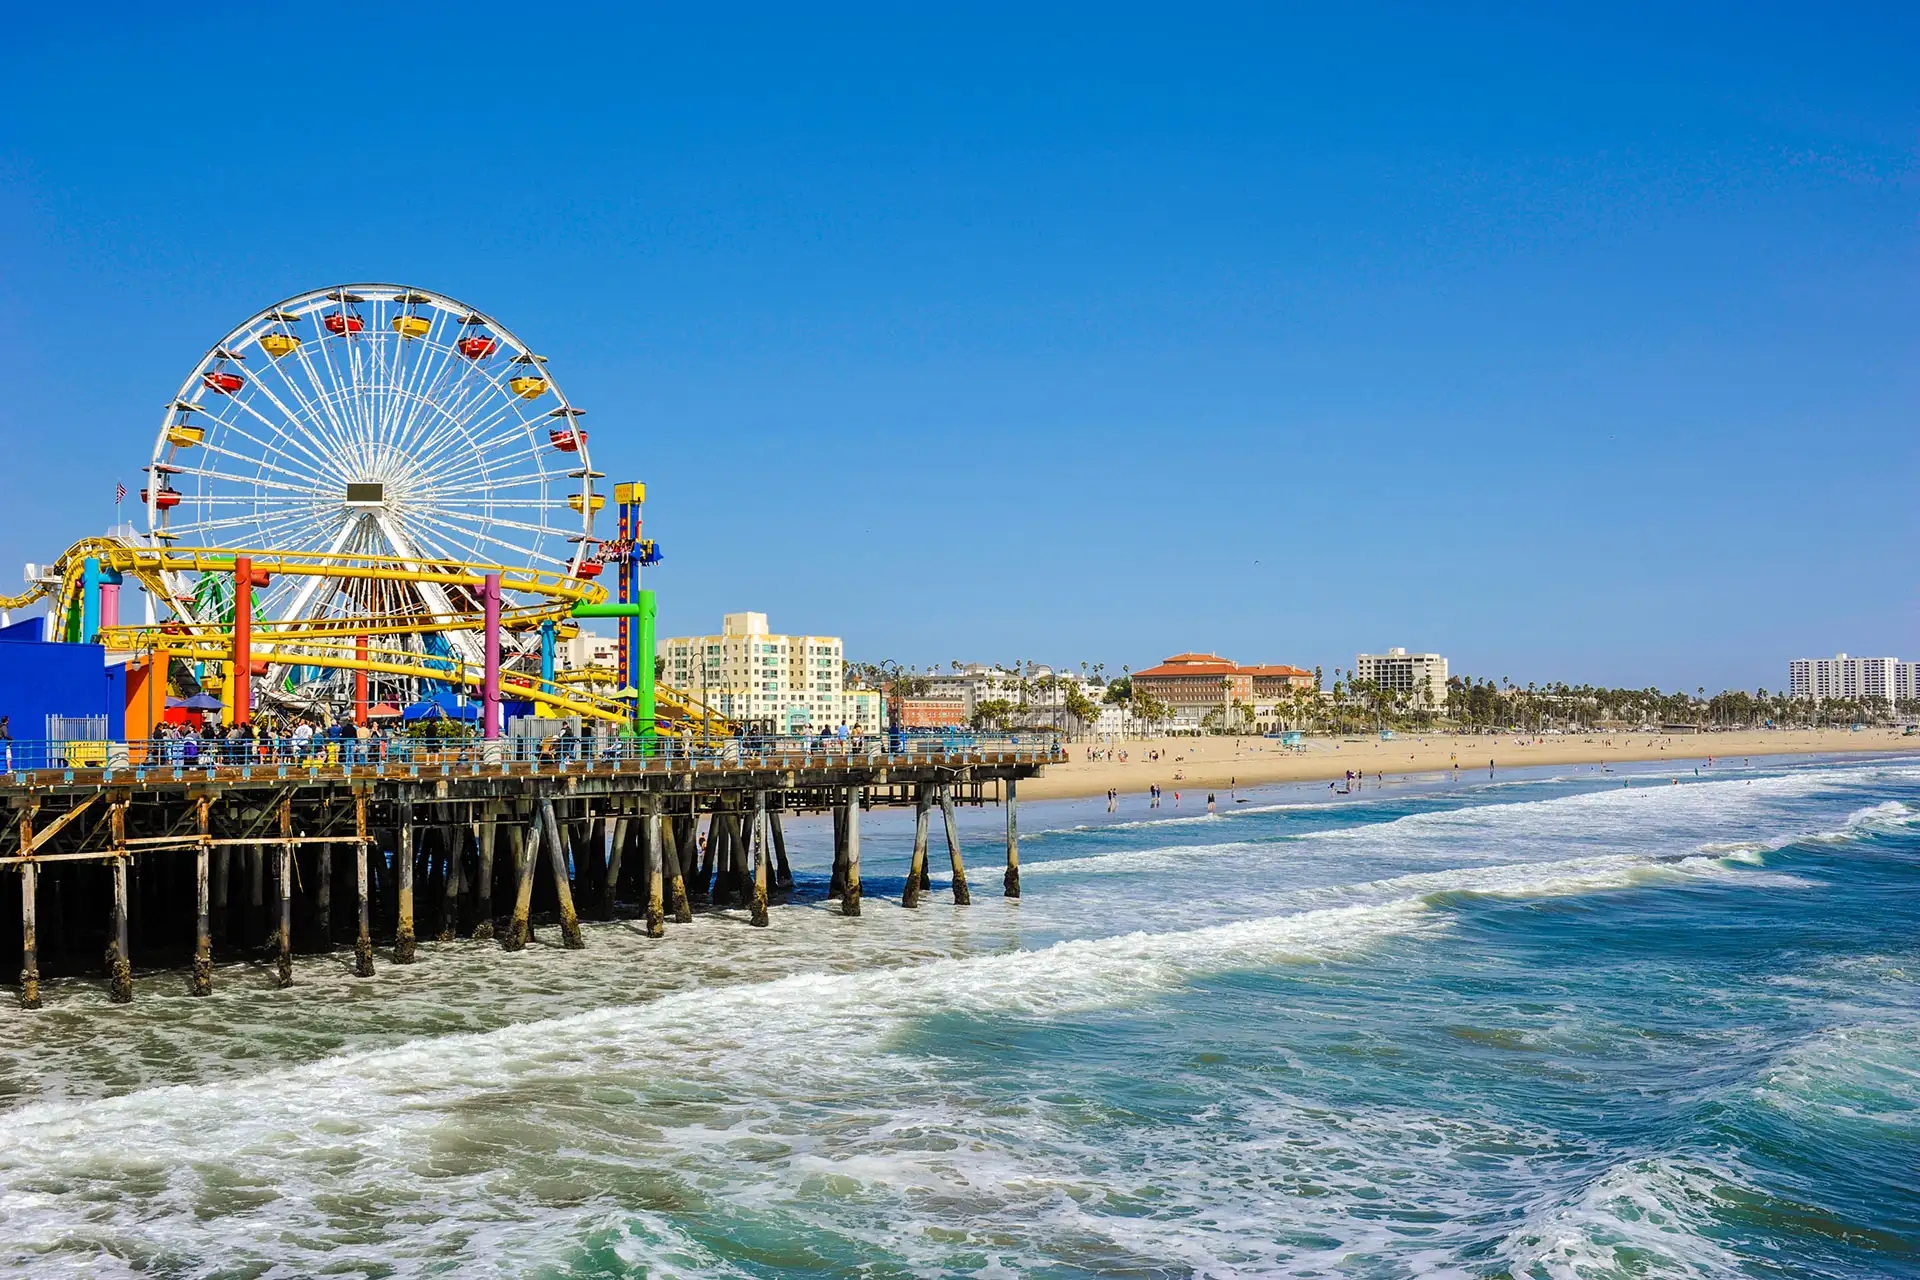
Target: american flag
(119,493)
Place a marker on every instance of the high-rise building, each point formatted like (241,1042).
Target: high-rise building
(1841,676)
(1421,676)
(785,683)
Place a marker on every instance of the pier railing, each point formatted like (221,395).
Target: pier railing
(42,762)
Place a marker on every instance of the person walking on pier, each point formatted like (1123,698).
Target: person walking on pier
(6,736)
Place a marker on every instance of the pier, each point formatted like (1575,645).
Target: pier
(176,867)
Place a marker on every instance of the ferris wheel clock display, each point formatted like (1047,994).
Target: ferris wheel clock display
(374,420)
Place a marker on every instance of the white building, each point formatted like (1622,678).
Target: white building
(1041,689)
(1421,676)
(789,684)
(586,650)
(1865,679)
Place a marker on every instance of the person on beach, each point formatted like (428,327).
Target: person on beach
(1209,802)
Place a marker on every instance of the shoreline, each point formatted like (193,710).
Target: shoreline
(1221,763)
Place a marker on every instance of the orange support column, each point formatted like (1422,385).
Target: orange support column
(240,685)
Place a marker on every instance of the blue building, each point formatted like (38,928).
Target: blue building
(53,690)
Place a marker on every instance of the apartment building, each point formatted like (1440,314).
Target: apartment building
(1420,676)
(780,683)
(1841,676)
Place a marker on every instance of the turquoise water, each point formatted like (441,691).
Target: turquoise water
(1541,1027)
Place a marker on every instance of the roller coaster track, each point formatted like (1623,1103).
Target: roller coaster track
(333,642)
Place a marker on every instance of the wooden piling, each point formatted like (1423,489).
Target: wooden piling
(203,917)
(783,871)
(837,882)
(758,842)
(961,897)
(451,848)
(676,878)
(1012,880)
(323,897)
(119,959)
(917,868)
(404,941)
(557,859)
(736,892)
(613,830)
(850,901)
(703,877)
(656,873)
(484,834)
(525,852)
(29,893)
(285,931)
(256,894)
(363,940)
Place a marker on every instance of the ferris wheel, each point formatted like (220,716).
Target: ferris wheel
(381,421)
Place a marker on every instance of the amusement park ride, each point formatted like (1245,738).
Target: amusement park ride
(372,493)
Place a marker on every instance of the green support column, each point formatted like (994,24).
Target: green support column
(644,722)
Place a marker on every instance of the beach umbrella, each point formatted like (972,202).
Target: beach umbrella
(198,702)
(383,711)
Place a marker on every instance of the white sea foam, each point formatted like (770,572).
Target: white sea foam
(1642,1217)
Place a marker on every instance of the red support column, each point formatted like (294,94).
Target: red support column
(360,681)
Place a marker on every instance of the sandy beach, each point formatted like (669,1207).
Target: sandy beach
(1202,764)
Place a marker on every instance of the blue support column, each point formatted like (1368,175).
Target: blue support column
(90,579)
(546,652)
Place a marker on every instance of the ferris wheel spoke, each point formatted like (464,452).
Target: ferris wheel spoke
(481,463)
(311,488)
(484,536)
(319,460)
(319,396)
(259,385)
(316,413)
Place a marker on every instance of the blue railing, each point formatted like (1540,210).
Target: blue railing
(382,752)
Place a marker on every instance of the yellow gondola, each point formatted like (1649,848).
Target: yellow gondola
(279,344)
(528,386)
(412,326)
(185,434)
(578,503)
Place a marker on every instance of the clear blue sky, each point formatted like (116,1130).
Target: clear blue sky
(1574,347)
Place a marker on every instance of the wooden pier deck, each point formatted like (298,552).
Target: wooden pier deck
(180,865)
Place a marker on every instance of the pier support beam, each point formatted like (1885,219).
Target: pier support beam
(1013,840)
(961,897)
(403,937)
(29,933)
(203,916)
(285,931)
(363,940)
(613,831)
(29,940)
(656,875)
(783,871)
(453,837)
(850,902)
(757,842)
(524,858)
(119,961)
(703,877)
(917,868)
(323,897)
(557,859)
(484,834)
(837,884)
(676,877)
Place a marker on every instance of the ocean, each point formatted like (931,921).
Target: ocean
(1585,1023)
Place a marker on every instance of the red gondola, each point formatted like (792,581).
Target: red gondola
(567,439)
(163,499)
(225,381)
(478,348)
(589,569)
(343,322)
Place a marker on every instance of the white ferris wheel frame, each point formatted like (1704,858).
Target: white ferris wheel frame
(462,459)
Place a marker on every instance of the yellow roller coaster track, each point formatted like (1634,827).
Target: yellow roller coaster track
(330,642)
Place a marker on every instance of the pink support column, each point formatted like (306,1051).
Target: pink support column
(490,689)
(109,604)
